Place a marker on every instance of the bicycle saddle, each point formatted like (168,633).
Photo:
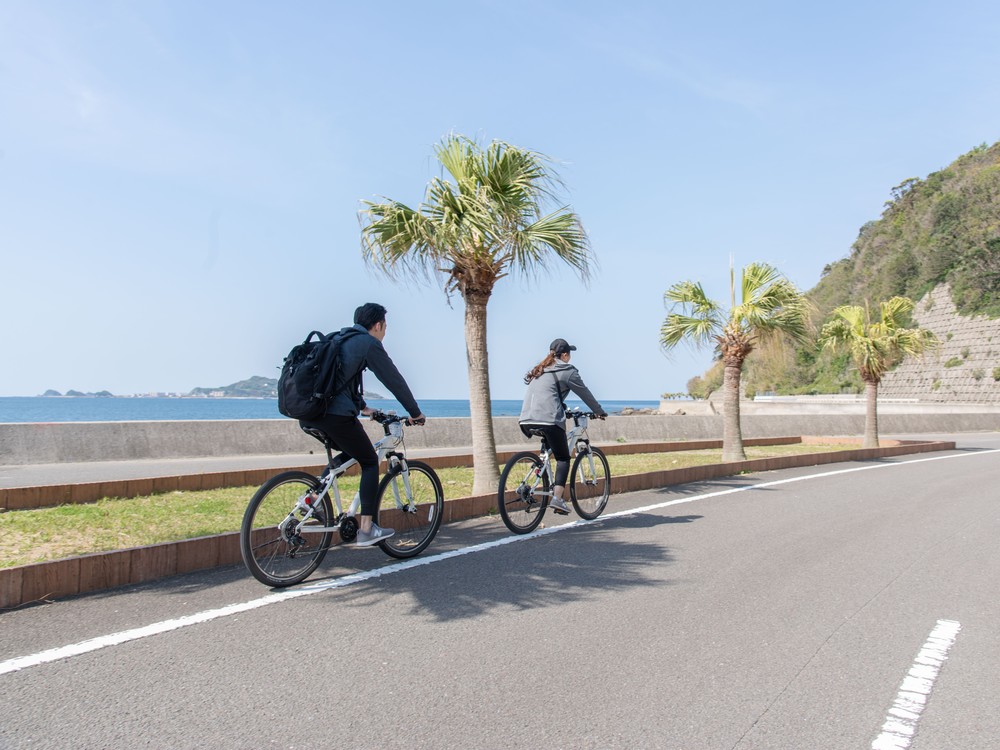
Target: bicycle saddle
(317,433)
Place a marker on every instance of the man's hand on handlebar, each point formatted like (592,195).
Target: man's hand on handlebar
(416,421)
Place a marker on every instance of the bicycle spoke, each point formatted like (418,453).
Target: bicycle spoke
(412,505)
(590,483)
(519,497)
(280,556)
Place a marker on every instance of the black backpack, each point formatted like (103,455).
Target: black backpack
(306,383)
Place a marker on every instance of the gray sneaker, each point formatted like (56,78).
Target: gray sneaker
(558,505)
(376,535)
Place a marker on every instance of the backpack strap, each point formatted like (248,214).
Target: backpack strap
(562,398)
(342,336)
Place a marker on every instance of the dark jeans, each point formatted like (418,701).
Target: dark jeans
(349,437)
(555,436)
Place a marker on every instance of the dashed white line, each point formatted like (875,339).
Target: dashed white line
(115,639)
(901,720)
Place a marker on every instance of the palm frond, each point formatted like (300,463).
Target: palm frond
(397,239)
(697,331)
(875,345)
(484,213)
(756,280)
(691,295)
(556,235)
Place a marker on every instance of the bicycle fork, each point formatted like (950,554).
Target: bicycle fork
(397,466)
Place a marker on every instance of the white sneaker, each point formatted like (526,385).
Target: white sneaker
(376,535)
(558,505)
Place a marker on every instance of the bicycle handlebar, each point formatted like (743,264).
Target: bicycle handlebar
(577,414)
(382,418)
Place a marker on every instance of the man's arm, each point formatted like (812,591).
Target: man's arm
(385,370)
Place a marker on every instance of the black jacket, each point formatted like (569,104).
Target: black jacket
(360,352)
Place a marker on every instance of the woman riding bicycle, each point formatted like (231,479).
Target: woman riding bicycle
(544,411)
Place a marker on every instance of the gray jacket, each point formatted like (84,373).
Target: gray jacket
(362,352)
(543,401)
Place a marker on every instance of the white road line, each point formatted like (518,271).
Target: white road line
(115,639)
(901,720)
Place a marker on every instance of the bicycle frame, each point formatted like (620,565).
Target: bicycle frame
(395,464)
(577,442)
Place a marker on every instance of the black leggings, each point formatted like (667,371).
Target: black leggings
(555,436)
(349,436)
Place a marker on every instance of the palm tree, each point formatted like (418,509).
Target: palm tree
(770,306)
(875,347)
(484,223)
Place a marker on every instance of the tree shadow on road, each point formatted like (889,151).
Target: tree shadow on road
(533,571)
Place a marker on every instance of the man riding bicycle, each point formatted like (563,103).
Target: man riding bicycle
(362,349)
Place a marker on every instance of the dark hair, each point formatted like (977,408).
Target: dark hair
(537,370)
(369,314)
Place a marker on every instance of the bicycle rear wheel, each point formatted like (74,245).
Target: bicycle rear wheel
(274,550)
(590,484)
(412,506)
(520,509)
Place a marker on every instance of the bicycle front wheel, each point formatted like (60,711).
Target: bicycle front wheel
(412,504)
(276,549)
(520,508)
(590,484)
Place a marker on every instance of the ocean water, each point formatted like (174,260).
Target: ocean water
(122,409)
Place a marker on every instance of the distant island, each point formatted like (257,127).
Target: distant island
(99,394)
(254,387)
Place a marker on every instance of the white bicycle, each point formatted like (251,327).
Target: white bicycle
(524,490)
(292,521)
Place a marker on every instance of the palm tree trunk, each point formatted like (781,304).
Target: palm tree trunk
(732,436)
(486,475)
(871,415)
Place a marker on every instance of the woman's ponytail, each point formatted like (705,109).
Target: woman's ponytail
(537,370)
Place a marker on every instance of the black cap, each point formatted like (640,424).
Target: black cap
(561,346)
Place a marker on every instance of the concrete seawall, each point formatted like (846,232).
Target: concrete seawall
(70,442)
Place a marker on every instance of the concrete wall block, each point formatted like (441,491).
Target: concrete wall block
(84,493)
(10,587)
(229,549)
(25,498)
(166,484)
(457,509)
(156,561)
(198,554)
(53,579)
(105,570)
(483,504)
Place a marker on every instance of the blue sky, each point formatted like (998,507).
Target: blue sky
(180,181)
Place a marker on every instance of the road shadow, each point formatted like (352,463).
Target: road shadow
(533,571)
(707,486)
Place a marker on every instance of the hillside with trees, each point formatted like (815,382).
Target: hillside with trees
(942,229)
(940,232)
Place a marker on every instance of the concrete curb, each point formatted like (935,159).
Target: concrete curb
(45,581)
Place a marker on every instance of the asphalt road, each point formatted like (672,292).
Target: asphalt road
(780,610)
